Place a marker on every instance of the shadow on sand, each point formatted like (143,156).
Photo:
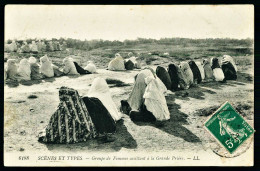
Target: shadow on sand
(122,139)
(33,82)
(174,126)
(195,92)
(218,85)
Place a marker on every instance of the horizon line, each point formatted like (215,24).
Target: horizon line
(99,39)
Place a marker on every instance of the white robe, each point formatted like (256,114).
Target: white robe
(218,74)
(46,67)
(155,101)
(202,72)
(11,70)
(24,70)
(187,73)
(34,47)
(13,47)
(69,67)
(136,96)
(91,67)
(135,99)
(32,60)
(100,90)
(117,64)
(161,85)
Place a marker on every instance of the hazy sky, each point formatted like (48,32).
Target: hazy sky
(122,22)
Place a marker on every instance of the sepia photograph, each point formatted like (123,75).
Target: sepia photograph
(128,85)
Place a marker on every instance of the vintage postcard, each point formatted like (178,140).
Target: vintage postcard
(129,85)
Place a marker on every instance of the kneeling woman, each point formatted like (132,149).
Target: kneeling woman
(79,119)
(146,102)
(217,71)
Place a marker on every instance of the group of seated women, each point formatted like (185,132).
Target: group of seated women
(95,115)
(190,73)
(120,64)
(147,101)
(30,69)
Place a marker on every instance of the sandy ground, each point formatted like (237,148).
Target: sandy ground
(24,117)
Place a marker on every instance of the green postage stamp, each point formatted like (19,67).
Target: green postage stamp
(229,127)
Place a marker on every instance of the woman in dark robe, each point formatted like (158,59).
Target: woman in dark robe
(100,116)
(164,76)
(196,72)
(229,71)
(129,65)
(80,70)
(229,68)
(173,73)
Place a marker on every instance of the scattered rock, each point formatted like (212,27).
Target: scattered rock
(23,132)
(21,149)
(42,122)
(31,110)
(18,101)
(32,97)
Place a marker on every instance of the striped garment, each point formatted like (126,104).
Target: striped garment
(71,122)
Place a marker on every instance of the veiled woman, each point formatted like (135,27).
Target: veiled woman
(91,67)
(24,70)
(117,64)
(46,67)
(208,70)
(99,89)
(196,72)
(11,70)
(35,69)
(69,67)
(217,71)
(202,72)
(187,74)
(229,67)
(153,94)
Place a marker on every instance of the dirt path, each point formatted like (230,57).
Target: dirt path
(24,117)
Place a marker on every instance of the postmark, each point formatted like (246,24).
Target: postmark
(229,127)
